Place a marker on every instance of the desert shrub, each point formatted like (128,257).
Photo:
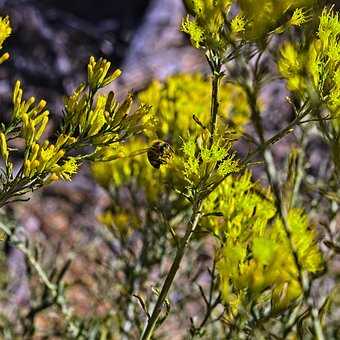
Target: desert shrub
(180,187)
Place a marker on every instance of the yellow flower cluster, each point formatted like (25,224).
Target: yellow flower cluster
(206,25)
(318,66)
(313,73)
(298,18)
(238,24)
(173,104)
(255,261)
(34,118)
(91,124)
(98,125)
(97,73)
(209,26)
(4,147)
(264,16)
(5,30)
(205,166)
(41,158)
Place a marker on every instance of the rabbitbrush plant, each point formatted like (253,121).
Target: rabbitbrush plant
(91,123)
(191,187)
(266,253)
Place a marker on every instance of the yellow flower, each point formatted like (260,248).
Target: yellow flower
(69,168)
(238,24)
(3,147)
(254,248)
(298,18)
(5,29)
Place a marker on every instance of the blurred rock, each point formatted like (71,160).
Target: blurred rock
(158,48)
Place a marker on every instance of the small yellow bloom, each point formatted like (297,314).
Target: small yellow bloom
(70,166)
(4,57)
(238,24)
(298,18)
(3,147)
(5,29)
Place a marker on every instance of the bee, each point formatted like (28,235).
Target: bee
(159,153)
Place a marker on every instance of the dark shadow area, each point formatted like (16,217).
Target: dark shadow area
(52,41)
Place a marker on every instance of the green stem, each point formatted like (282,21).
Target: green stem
(57,296)
(215,66)
(152,322)
(317,325)
(273,180)
(214,104)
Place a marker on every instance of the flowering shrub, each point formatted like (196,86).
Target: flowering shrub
(88,122)
(177,183)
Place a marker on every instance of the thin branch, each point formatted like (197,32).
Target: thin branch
(184,242)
